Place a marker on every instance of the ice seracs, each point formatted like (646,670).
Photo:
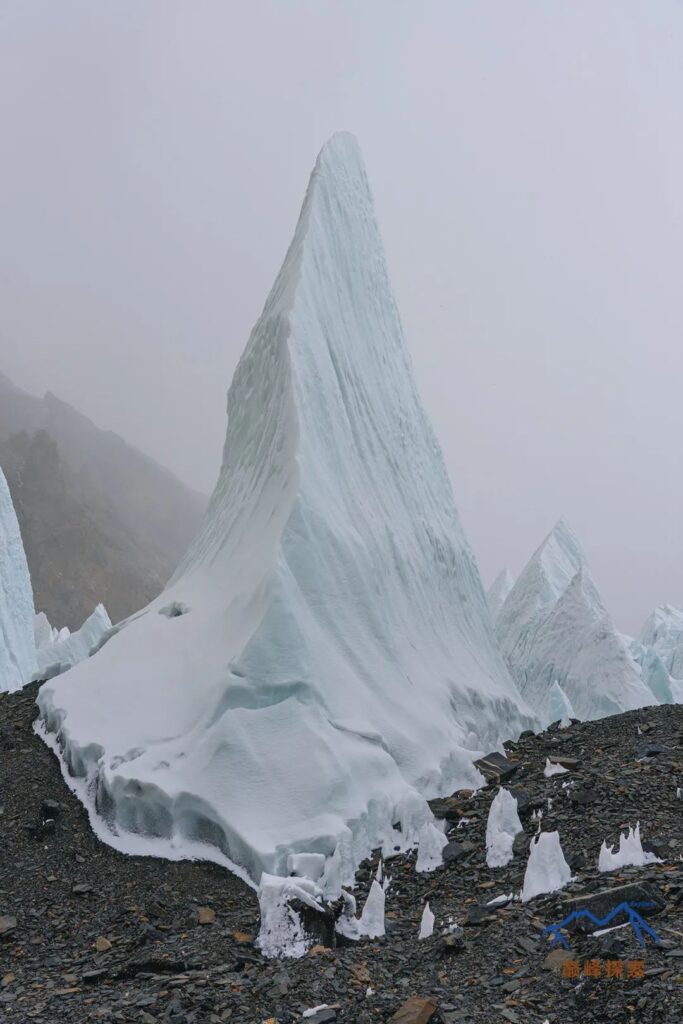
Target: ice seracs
(630,852)
(335,656)
(501,828)
(64,651)
(498,592)
(559,641)
(546,870)
(663,632)
(17,640)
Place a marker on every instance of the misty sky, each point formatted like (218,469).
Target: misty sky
(527,164)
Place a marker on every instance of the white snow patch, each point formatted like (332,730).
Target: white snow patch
(630,853)
(307,865)
(501,828)
(546,870)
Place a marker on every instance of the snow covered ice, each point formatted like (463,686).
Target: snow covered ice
(559,641)
(546,870)
(501,828)
(17,640)
(332,656)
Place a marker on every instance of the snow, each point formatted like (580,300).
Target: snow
(426,923)
(630,853)
(554,629)
(553,769)
(306,865)
(546,870)
(501,828)
(315,1009)
(498,592)
(17,641)
(335,657)
(372,919)
(70,649)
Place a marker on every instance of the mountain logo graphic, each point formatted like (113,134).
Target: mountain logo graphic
(640,927)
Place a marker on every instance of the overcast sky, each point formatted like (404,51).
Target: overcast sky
(527,164)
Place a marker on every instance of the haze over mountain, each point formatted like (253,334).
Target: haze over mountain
(100,520)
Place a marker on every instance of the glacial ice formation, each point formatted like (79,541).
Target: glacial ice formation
(502,826)
(556,633)
(498,592)
(333,660)
(663,633)
(68,649)
(546,870)
(17,642)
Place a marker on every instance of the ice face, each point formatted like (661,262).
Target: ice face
(17,641)
(497,593)
(335,652)
(663,632)
(560,641)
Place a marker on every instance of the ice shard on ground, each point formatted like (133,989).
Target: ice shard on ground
(17,641)
(555,633)
(323,656)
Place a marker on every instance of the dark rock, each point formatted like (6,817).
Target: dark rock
(649,750)
(644,897)
(478,915)
(583,796)
(7,924)
(566,762)
(657,846)
(453,852)
(323,1016)
(576,861)
(495,768)
(521,844)
(81,888)
(319,924)
(526,803)
(527,734)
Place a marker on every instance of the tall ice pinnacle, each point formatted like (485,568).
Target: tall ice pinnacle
(17,644)
(323,656)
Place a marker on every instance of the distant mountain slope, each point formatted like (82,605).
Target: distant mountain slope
(100,520)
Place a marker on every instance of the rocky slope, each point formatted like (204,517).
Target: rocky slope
(100,521)
(87,934)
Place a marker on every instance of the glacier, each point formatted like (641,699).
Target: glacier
(17,641)
(65,649)
(323,659)
(559,641)
(498,592)
(663,633)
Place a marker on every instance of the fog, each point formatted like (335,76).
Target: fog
(527,164)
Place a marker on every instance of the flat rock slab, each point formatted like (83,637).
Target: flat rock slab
(603,902)
(415,1011)
(566,762)
(494,767)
